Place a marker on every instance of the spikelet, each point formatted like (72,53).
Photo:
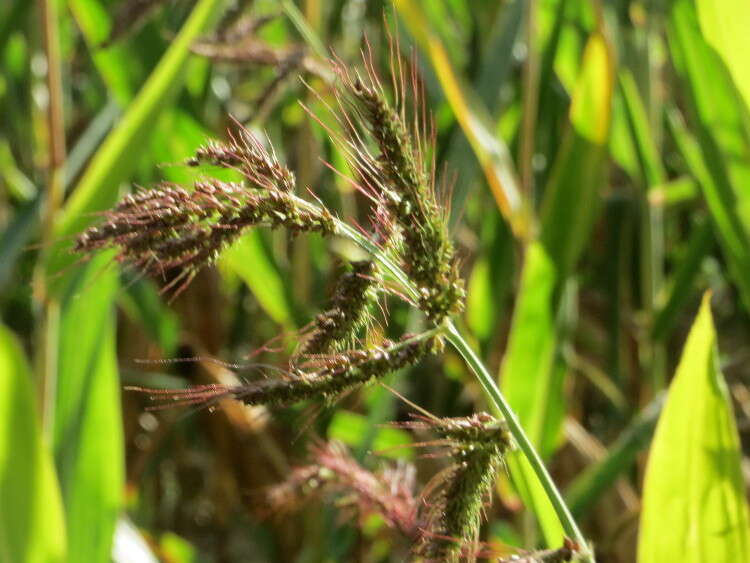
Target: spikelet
(391,159)
(169,227)
(477,445)
(325,377)
(336,329)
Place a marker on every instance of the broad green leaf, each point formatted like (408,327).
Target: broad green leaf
(32,527)
(251,262)
(527,371)
(117,157)
(491,152)
(720,159)
(725,24)
(694,504)
(87,432)
(571,198)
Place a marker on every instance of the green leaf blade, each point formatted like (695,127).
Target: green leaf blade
(32,526)
(571,197)
(693,473)
(719,156)
(87,431)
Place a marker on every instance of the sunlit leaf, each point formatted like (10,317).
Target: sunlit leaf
(572,196)
(32,527)
(527,366)
(526,373)
(725,24)
(693,473)
(719,156)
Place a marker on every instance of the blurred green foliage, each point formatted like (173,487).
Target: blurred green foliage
(596,158)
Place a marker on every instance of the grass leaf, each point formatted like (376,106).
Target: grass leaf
(87,427)
(526,374)
(32,527)
(491,152)
(525,377)
(725,25)
(251,262)
(693,473)
(572,195)
(719,158)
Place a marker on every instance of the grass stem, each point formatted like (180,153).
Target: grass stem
(54,199)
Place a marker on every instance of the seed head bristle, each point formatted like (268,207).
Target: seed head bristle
(322,377)
(245,153)
(338,373)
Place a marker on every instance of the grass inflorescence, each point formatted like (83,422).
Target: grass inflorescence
(170,228)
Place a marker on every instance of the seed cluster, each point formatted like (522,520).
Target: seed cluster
(336,329)
(444,524)
(244,153)
(406,193)
(477,445)
(338,373)
(170,227)
(322,377)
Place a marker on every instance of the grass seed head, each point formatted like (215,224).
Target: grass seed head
(336,329)
(171,228)
(405,184)
(477,445)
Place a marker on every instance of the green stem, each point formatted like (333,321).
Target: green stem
(50,310)
(522,441)
(493,393)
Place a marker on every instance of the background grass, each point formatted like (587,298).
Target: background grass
(600,157)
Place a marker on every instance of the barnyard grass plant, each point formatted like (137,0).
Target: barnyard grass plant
(173,231)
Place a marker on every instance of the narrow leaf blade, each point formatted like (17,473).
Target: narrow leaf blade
(87,431)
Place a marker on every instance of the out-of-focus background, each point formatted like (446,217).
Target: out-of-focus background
(598,155)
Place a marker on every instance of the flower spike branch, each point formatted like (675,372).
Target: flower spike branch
(171,229)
